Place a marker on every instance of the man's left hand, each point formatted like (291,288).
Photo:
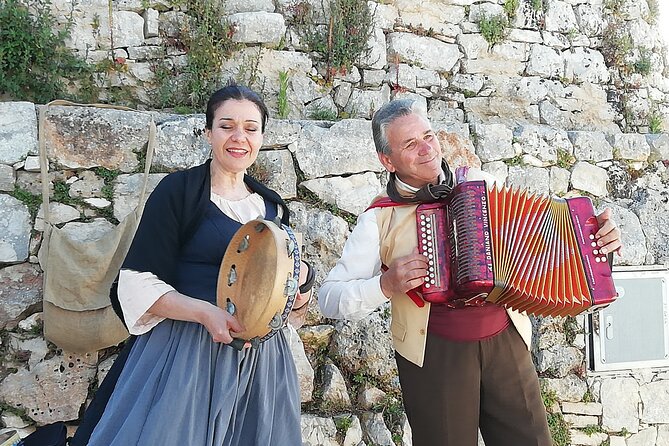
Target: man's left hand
(608,236)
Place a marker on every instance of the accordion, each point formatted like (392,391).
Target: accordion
(524,251)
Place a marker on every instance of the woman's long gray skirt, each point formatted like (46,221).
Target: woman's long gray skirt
(180,388)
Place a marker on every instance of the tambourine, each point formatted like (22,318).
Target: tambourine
(258,279)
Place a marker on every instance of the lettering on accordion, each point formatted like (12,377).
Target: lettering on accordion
(507,246)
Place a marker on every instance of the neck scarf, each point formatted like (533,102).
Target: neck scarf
(426,194)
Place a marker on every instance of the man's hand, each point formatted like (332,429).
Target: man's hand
(403,274)
(608,236)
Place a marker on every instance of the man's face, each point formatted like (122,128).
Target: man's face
(415,153)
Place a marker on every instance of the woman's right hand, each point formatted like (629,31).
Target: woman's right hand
(220,324)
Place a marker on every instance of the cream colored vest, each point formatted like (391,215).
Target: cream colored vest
(397,236)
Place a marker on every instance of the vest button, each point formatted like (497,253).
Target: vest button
(422,331)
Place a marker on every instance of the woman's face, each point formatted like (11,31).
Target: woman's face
(235,135)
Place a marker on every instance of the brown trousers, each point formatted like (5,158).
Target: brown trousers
(489,385)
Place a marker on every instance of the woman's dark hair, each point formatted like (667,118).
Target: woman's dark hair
(239,93)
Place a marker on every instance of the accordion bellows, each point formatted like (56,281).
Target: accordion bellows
(525,251)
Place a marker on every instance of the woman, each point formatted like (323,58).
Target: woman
(182,383)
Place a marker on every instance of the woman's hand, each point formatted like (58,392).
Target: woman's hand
(221,325)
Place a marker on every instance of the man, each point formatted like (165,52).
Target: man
(460,369)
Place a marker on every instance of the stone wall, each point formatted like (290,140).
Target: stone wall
(541,110)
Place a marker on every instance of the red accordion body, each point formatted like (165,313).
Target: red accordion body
(524,251)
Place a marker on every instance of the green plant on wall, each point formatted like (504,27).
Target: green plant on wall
(343,39)
(655,124)
(282,99)
(35,64)
(537,5)
(510,8)
(653,11)
(207,42)
(493,28)
(643,65)
(558,426)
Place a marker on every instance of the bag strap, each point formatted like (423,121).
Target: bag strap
(44,162)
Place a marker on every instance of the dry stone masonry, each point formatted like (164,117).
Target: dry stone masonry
(544,108)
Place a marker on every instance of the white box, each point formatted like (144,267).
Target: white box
(633,331)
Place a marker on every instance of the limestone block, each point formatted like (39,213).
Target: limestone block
(281,133)
(54,389)
(585,65)
(497,169)
(127,189)
(524,35)
(581,421)
(560,17)
(593,409)
(275,169)
(559,180)
(20,292)
(630,146)
(353,436)
(335,393)
(376,57)
(589,178)
(18,131)
(305,372)
(346,147)
(128,29)
(544,142)
(659,146)
(363,103)
(352,193)
(425,52)
(644,437)
(235,6)
(440,17)
(376,429)
(151,23)
(544,61)
(323,233)
(14,230)
(473,45)
(534,179)
(365,345)
(318,431)
(569,388)
(655,400)
(487,9)
(402,75)
(58,213)
(492,141)
(257,27)
(370,396)
(7,178)
(180,143)
(590,19)
(580,438)
(620,404)
(85,137)
(591,146)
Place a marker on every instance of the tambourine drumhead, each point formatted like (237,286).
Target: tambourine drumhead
(259,276)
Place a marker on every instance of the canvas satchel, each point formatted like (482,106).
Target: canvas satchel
(78,273)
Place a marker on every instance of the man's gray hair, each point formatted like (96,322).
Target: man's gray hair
(387,114)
